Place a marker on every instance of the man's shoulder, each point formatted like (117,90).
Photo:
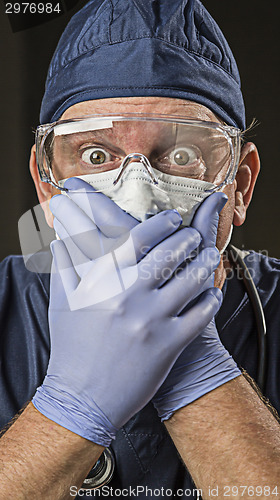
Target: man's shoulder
(265,272)
(16,277)
(264,269)
(13,264)
(24,334)
(262,261)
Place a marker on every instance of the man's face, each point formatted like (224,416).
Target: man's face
(134,141)
(239,192)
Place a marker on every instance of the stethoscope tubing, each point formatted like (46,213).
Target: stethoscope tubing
(236,257)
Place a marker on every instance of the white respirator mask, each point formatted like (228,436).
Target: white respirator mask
(142,192)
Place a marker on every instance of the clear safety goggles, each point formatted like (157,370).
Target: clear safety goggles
(176,146)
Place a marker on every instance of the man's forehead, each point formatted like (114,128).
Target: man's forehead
(157,105)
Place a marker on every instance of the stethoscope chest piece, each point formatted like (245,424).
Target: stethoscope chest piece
(101,473)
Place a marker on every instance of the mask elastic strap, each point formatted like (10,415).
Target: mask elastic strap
(227,240)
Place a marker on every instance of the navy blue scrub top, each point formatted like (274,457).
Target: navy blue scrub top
(145,454)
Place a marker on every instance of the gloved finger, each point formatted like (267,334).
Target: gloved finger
(86,235)
(206,218)
(64,267)
(106,214)
(197,317)
(162,261)
(78,258)
(79,227)
(147,235)
(189,281)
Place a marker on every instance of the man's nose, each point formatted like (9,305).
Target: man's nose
(133,158)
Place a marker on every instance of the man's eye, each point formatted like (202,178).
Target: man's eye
(184,155)
(95,156)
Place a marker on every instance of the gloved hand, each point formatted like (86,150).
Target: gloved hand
(205,364)
(115,322)
(95,217)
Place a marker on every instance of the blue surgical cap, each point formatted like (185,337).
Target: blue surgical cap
(126,48)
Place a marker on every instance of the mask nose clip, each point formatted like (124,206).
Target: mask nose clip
(132,157)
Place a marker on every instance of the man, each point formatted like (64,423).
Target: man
(145,105)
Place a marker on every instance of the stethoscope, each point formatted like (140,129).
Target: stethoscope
(237,260)
(101,474)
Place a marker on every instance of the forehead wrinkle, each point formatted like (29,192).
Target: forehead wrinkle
(144,136)
(160,105)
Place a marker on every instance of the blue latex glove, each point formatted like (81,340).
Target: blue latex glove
(94,217)
(115,322)
(205,364)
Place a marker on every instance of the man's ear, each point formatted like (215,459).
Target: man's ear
(247,173)
(44,190)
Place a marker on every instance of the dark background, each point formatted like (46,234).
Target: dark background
(252,29)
